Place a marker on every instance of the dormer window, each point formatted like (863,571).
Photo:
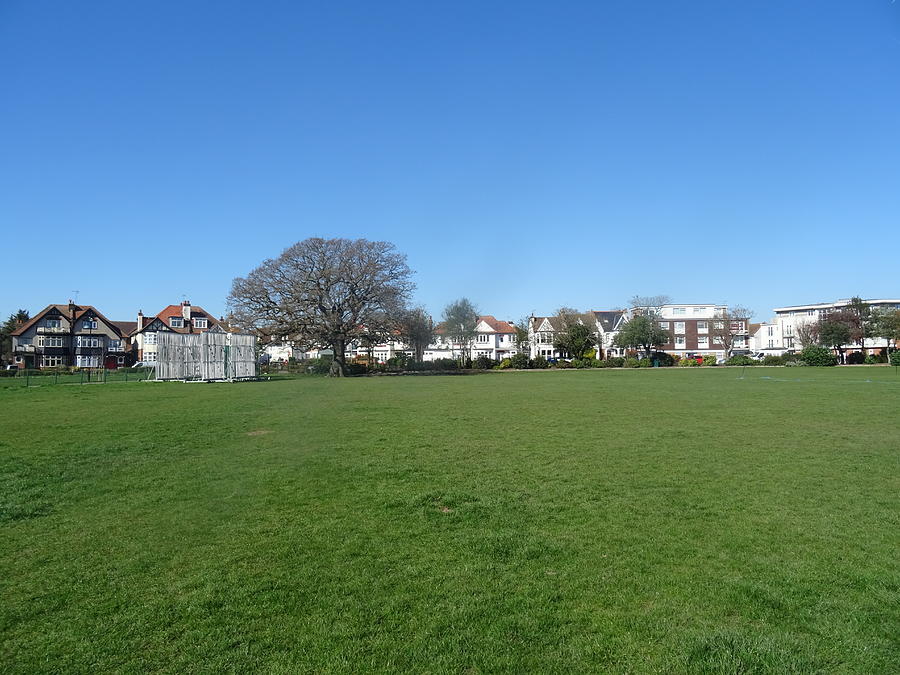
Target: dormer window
(176,322)
(200,323)
(52,323)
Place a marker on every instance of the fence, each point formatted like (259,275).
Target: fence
(206,356)
(37,378)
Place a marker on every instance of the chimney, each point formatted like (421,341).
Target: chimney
(71,310)
(186,311)
(140,321)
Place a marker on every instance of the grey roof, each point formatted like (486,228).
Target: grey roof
(609,319)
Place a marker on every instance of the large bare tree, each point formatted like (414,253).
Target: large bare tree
(324,291)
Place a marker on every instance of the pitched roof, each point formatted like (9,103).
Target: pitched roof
(170,311)
(126,327)
(79,311)
(608,319)
(496,325)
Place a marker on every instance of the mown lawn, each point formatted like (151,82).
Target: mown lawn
(681,520)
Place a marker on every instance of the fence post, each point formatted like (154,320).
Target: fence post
(82,376)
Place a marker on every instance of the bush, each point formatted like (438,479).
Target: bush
(856,358)
(871,360)
(709,359)
(519,361)
(772,360)
(817,356)
(615,362)
(894,358)
(357,369)
(577,363)
(562,363)
(631,362)
(319,366)
(503,365)
(539,362)
(645,363)
(590,355)
(483,362)
(688,363)
(740,360)
(664,359)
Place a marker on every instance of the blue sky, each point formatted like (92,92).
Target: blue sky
(526,155)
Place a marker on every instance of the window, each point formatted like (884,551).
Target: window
(811,312)
(149,338)
(150,357)
(679,341)
(176,322)
(120,360)
(664,324)
(86,341)
(200,323)
(52,323)
(788,330)
(703,341)
(89,324)
(87,361)
(699,310)
(679,311)
(771,343)
(702,326)
(114,346)
(47,341)
(771,332)
(679,326)
(483,338)
(52,361)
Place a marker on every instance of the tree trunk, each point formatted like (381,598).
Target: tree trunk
(338,363)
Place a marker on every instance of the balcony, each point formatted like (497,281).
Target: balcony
(49,329)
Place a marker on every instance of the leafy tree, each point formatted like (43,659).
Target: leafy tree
(817,356)
(886,325)
(323,291)
(7,328)
(460,319)
(727,328)
(575,340)
(834,331)
(642,332)
(416,329)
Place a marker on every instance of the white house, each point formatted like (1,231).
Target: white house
(542,331)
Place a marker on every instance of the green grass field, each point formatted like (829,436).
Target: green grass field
(680,520)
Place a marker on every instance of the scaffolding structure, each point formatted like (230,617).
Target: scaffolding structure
(208,356)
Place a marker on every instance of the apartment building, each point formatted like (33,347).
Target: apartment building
(696,329)
(779,335)
(70,335)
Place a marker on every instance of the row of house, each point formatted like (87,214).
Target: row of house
(81,336)
(690,327)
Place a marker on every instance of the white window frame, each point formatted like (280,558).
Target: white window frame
(679,341)
(702,341)
(679,327)
(150,338)
(201,323)
(176,322)
(664,325)
(52,323)
(89,324)
(679,311)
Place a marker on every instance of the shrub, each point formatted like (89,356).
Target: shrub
(577,363)
(772,360)
(645,363)
(539,362)
(664,359)
(504,364)
(357,369)
(817,356)
(319,366)
(894,358)
(856,358)
(631,362)
(562,363)
(871,359)
(590,355)
(688,363)
(519,361)
(616,362)
(709,360)
(740,360)
(483,362)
